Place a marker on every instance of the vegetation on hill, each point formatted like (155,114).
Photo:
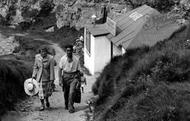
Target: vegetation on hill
(147,84)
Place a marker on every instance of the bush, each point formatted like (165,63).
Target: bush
(23,26)
(46,8)
(160,103)
(27,13)
(160,5)
(13,73)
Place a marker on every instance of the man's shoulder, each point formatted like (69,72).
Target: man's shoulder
(64,57)
(38,56)
(50,56)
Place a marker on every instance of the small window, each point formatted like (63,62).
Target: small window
(135,16)
(88,41)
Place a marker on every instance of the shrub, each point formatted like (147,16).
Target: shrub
(23,26)
(46,8)
(27,13)
(160,103)
(161,5)
(13,73)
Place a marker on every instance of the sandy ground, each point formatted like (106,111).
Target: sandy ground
(28,110)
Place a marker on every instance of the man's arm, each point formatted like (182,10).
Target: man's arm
(52,73)
(60,76)
(85,81)
(79,68)
(35,68)
(55,63)
(60,68)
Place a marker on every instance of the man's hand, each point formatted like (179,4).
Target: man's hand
(52,81)
(33,78)
(60,77)
(52,84)
(61,82)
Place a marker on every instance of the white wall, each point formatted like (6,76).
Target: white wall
(117,50)
(123,51)
(89,57)
(102,53)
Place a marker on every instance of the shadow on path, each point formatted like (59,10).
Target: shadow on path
(80,108)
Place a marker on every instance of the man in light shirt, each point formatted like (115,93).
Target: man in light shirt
(69,74)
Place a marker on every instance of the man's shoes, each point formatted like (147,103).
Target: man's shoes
(47,105)
(71,111)
(42,108)
(66,107)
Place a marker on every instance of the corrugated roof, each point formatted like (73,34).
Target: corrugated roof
(123,22)
(97,30)
(131,23)
(151,37)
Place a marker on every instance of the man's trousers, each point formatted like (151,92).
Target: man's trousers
(69,84)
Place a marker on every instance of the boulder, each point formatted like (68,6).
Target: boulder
(51,29)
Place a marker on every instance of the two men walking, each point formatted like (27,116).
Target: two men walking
(69,73)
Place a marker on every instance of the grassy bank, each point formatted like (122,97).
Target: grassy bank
(147,84)
(13,72)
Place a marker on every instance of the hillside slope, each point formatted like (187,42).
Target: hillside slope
(147,84)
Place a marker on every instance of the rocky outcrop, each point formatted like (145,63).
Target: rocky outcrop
(7,45)
(73,13)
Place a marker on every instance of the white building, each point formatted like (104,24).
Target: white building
(98,49)
(131,30)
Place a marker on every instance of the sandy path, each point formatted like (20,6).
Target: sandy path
(30,108)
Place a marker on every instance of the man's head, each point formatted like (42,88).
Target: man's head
(81,38)
(43,51)
(69,50)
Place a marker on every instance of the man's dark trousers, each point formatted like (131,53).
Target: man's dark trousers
(69,85)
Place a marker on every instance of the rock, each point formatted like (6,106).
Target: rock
(7,45)
(25,25)
(12,26)
(23,110)
(17,18)
(51,29)
(4,11)
(36,6)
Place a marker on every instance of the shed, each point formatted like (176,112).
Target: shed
(134,29)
